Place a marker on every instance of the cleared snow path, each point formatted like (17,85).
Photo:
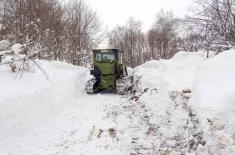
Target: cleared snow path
(74,130)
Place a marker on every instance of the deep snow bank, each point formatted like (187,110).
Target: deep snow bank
(13,86)
(212,80)
(174,74)
(214,85)
(31,100)
(185,121)
(159,86)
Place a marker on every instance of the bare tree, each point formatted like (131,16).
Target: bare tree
(82,30)
(62,32)
(131,40)
(162,35)
(213,22)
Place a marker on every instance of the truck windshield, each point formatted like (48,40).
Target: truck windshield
(105,56)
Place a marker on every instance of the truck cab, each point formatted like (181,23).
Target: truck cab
(108,68)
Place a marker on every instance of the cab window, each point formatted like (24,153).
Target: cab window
(105,56)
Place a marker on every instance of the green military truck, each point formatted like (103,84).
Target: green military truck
(109,72)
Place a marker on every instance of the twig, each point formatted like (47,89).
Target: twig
(43,71)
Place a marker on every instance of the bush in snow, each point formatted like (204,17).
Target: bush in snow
(21,58)
(4,45)
(17,58)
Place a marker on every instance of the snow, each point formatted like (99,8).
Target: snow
(4,44)
(175,74)
(174,108)
(55,116)
(31,82)
(189,96)
(214,85)
(16,48)
(24,101)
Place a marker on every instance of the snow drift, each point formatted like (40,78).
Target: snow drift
(32,99)
(212,80)
(174,74)
(214,85)
(190,100)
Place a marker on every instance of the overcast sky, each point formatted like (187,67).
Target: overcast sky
(113,12)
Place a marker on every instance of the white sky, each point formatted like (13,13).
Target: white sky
(113,12)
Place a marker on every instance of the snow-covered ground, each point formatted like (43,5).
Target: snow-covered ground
(191,102)
(184,105)
(214,85)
